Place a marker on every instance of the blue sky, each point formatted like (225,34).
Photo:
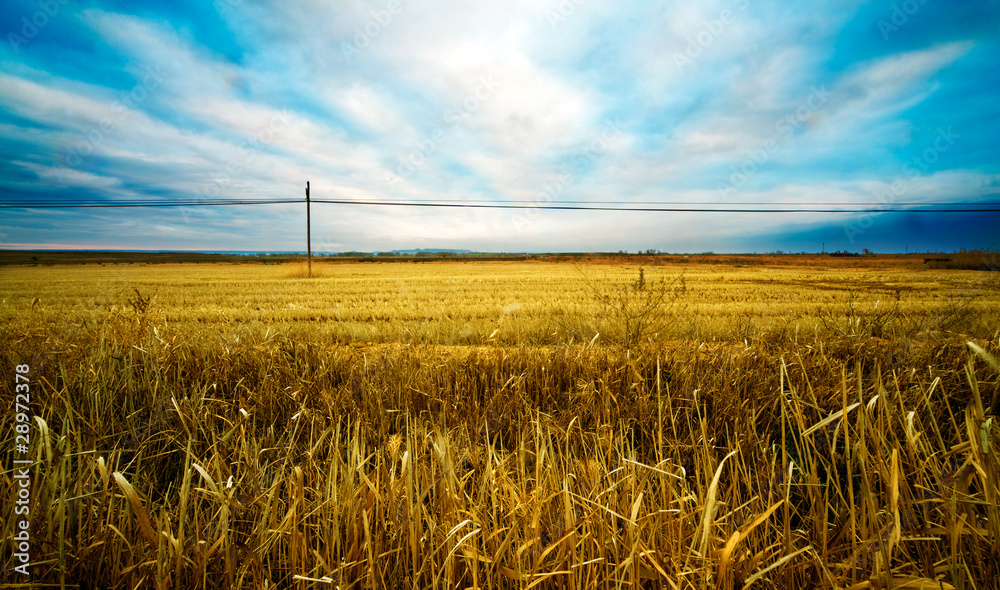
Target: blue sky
(575,100)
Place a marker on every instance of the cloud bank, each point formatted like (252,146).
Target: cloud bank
(720,102)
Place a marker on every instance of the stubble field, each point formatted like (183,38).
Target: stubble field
(811,423)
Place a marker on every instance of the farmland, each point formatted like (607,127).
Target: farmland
(443,303)
(765,422)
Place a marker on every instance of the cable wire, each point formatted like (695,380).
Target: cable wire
(138,203)
(692,209)
(676,206)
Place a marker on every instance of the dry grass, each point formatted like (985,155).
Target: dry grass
(987,260)
(495,303)
(303,270)
(260,454)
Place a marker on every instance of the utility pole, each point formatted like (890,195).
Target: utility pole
(309,250)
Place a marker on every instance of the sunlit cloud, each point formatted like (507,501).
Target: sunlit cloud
(730,101)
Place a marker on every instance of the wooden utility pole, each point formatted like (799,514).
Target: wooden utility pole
(309,249)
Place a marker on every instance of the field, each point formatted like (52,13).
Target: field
(743,423)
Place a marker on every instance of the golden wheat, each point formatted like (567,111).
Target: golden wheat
(232,426)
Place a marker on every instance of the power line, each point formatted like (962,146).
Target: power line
(693,203)
(674,206)
(97,204)
(870,208)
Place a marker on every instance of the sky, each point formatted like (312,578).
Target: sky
(535,102)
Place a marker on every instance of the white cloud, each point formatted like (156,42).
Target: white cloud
(494,101)
(883,87)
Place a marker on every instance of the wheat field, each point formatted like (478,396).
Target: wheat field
(506,425)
